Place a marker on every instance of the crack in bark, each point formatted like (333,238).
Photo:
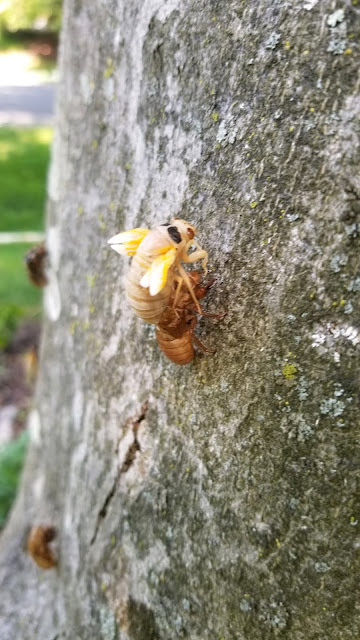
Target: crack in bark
(128,462)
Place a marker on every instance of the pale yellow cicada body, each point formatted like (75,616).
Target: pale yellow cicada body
(157,256)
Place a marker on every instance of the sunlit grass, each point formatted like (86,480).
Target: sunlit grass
(24,158)
(11,462)
(15,286)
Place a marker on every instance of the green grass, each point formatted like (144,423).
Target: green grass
(24,158)
(15,286)
(12,457)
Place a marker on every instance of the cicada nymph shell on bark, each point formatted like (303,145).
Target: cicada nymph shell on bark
(35,261)
(175,331)
(157,257)
(38,546)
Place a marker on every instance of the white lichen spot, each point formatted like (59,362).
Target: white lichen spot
(274,615)
(348,308)
(292,216)
(336,17)
(107,624)
(337,262)
(294,503)
(309,4)
(351,333)
(338,390)
(352,230)
(336,357)
(227,131)
(273,40)
(245,605)
(302,388)
(338,42)
(326,336)
(321,567)
(354,284)
(34,426)
(332,407)
(304,431)
(319,338)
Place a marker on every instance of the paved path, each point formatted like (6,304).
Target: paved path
(27,96)
(27,105)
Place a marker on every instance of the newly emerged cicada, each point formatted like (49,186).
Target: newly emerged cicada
(156,265)
(175,331)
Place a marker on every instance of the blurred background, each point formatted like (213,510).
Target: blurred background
(28,51)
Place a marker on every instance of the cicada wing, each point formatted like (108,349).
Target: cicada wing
(156,277)
(127,242)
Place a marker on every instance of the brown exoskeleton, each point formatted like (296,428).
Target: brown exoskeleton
(38,546)
(175,331)
(35,260)
(156,265)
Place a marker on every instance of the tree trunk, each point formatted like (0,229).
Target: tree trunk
(218,500)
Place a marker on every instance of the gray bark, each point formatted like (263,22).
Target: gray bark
(219,500)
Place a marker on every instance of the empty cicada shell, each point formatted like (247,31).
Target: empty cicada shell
(38,546)
(175,331)
(35,261)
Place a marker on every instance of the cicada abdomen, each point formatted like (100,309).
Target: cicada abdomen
(147,306)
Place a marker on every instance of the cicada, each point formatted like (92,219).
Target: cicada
(38,546)
(175,331)
(158,255)
(35,261)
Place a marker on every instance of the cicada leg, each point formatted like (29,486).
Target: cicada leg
(200,344)
(187,281)
(180,281)
(199,254)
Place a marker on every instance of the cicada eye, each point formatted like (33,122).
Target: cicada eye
(190,232)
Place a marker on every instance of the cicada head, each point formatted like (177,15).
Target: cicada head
(186,230)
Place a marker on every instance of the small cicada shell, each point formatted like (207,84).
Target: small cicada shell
(175,331)
(38,546)
(35,261)
(157,256)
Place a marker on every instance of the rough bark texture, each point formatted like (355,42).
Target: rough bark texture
(220,500)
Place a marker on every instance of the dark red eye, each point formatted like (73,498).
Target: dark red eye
(190,233)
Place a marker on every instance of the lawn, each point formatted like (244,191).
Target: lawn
(24,158)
